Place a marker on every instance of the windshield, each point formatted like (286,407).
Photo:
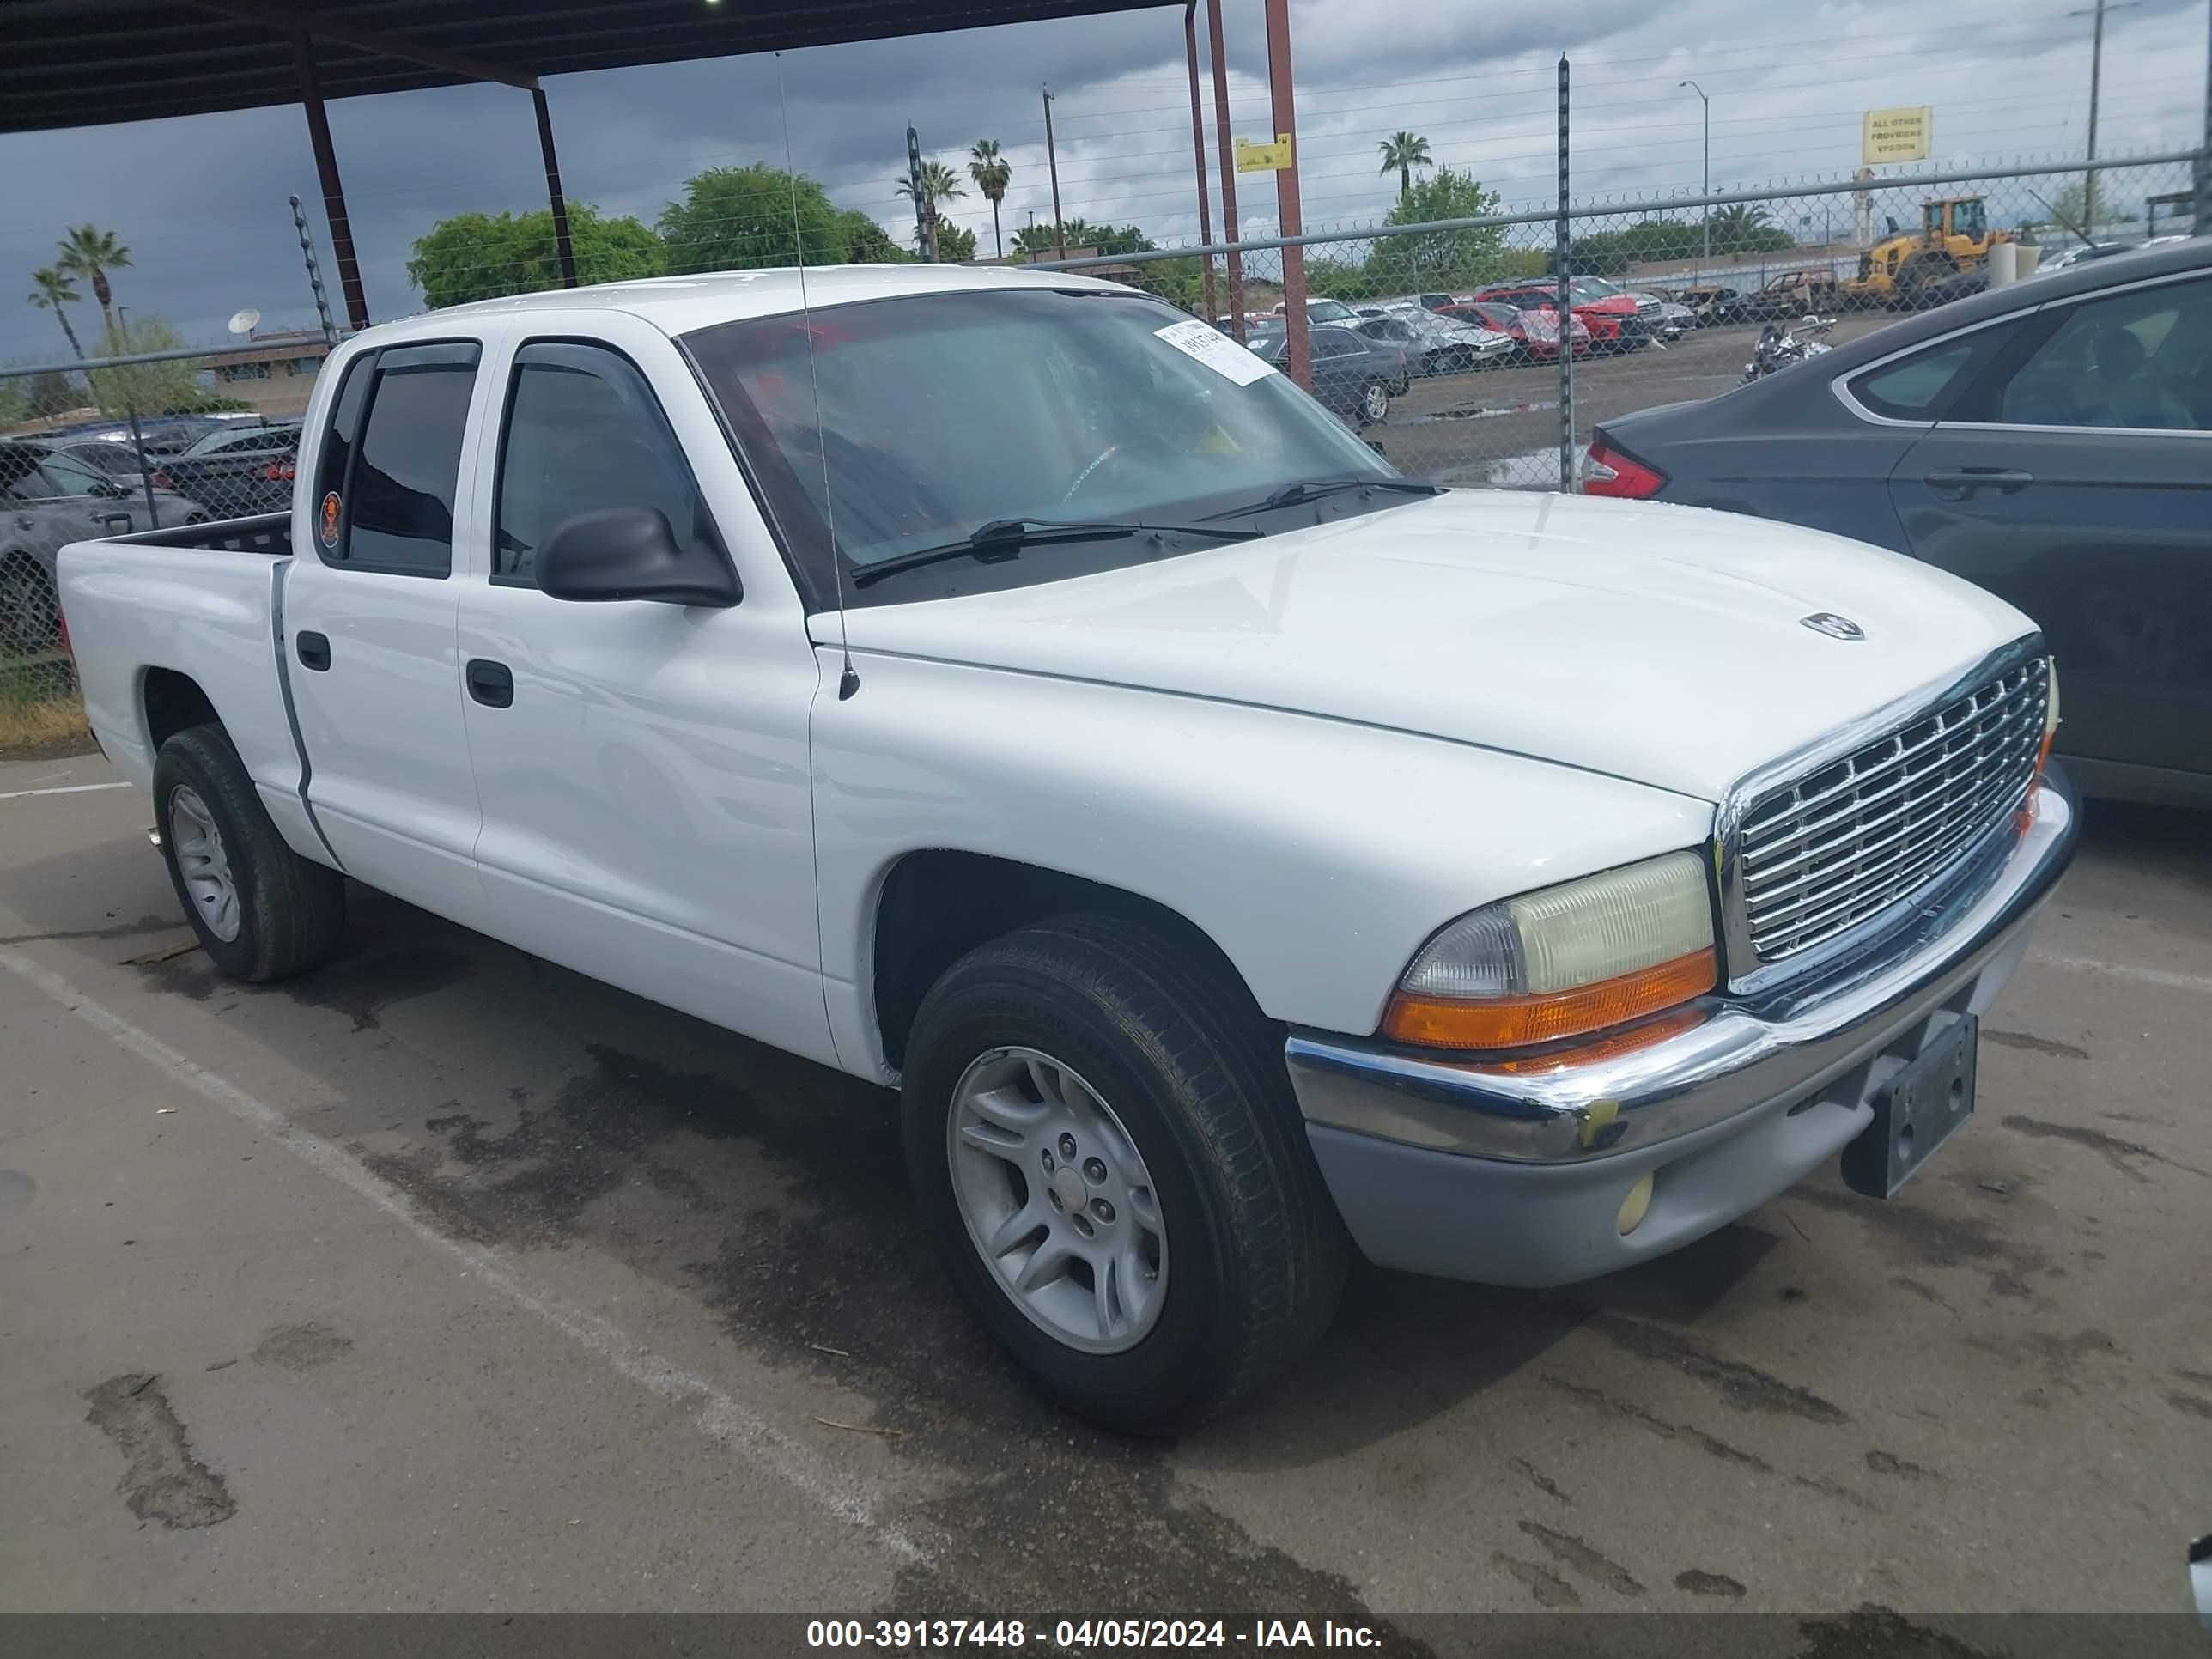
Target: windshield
(940,413)
(1592,287)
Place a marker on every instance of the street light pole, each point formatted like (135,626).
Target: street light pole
(2096,80)
(1706,217)
(1052,162)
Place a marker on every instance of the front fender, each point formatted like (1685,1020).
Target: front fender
(1317,854)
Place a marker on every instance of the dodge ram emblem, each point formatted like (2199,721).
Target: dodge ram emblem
(1835,627)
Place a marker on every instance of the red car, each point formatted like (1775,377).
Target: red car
(1612,318)
(1535,332)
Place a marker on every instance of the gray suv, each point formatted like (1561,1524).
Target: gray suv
(47,499)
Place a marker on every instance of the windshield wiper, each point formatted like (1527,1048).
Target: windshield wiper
(1312,489)
(1003,539)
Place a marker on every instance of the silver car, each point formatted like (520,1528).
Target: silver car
(46,499)
(1434,344)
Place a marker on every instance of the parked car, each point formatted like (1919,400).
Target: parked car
(1792,293)
(236,469)
(1354,377)
(2051,440)
(48,499)
(1659,320)
(1613,320)
(1669,319)
(1236,853)
(116,459)
(1712,304)
(2078,253)
(1535,334)
(1434,344)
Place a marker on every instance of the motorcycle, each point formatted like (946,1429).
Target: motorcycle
(1779,347)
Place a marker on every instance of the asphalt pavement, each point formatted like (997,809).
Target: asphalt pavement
(447,1279)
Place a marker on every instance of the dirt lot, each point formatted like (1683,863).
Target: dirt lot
(1502,426)
(446,1278)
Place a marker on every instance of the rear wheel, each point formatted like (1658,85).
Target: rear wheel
(1374,403)
(1105,1147)
(262,912)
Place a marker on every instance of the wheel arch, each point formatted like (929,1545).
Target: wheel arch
(933,905)
(170,701)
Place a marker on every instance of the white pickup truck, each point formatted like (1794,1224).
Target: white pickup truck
(1001,686)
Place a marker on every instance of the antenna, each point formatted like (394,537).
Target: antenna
(849,681)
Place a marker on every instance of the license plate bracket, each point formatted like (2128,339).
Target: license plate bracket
(1915,1112)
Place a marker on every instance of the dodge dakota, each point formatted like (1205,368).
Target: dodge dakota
(1000,686)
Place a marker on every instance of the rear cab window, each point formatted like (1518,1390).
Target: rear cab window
(389,467)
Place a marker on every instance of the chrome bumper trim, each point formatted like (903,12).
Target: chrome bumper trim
(1747,1053)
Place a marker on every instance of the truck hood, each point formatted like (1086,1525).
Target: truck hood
(1663,644)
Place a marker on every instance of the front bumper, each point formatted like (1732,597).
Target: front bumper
(1517,1177)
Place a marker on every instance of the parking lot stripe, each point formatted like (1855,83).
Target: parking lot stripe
(2159,976)
(717,1414)
(66,789)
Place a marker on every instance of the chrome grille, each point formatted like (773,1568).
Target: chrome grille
(1820,855)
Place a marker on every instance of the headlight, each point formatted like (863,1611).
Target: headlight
(1563,961)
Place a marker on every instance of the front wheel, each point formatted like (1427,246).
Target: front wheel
(1105,1151)
(1374,403)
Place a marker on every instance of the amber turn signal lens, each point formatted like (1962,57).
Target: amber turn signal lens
(1519,1021)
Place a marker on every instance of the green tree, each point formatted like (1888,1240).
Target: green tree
(1402,152)
(1041,241)
(51,289)
(1748,228)
(741,219)
(91,253)
(955,245)
(992,172)
(1337,279)
(481,256)
(1438,258)
(2069,207)
(171,388)
(53,392)
(15,402)
(867,243)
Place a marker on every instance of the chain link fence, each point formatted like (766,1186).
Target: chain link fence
(132,442)
(1440,341)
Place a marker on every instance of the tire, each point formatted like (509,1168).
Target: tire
(1248,1254)
(287,913)
(1374,403)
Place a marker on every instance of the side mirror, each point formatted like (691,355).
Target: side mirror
(630,553)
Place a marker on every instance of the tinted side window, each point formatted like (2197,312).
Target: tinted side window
(398,504)
(337,458)
(584,432)
(1911,388)
(2141,359)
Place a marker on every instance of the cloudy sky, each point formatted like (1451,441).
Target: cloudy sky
(200,200)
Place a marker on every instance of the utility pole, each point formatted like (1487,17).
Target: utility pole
(1198,151)
(2096,77)
(2205,152)
(1051,163)
(1706,217)
(1224,148)
(925,209)
(1299,357)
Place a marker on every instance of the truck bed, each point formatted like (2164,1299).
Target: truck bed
(268,534)
(142,619)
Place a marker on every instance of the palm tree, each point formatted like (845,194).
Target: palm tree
(939,183)
(91,253)
(992,173)
(51,289)
(1402,152)
(1734,225)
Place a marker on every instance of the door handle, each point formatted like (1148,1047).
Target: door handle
(491,683)
(314,650)
(1958,483)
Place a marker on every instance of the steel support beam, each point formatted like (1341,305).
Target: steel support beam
(326,169)
(553,189)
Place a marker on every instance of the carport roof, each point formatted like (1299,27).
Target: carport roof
(88,63)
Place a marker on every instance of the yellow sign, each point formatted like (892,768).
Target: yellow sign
(1897,135)
(1264,157)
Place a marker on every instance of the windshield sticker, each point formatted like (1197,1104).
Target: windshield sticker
(328,529)
(1219,353)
